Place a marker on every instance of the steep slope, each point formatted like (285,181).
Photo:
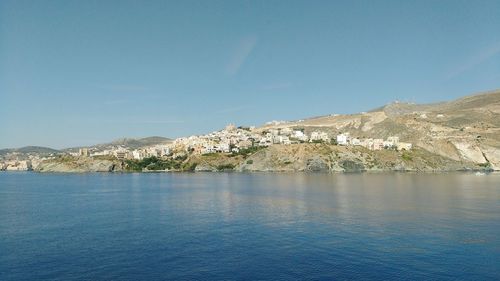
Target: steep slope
(466,130)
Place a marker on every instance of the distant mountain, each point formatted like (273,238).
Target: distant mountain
(131,143)
(137,143)
(30,149)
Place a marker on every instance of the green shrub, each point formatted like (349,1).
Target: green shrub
(181,158)
(247,151)
(189,167)
(152,164)
(224,167)
(406,156)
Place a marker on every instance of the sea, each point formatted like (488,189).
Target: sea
(249,226)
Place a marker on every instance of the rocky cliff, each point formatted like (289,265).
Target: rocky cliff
(69,164)
(332,158)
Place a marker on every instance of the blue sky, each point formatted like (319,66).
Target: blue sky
(84,72)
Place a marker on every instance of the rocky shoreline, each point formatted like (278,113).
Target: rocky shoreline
(292,158)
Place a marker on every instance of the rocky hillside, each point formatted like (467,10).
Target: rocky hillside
(459,135)
(465,130)
(316,157)
(304,157)
(70,164)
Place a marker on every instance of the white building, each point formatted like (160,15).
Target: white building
(355,141)
(284,140)
(265,141)
(378,144)
(300,135)
(391,142)
(343,139)
(319,136)
(208,149)
(84,152)
(223,147)
(138,154)
(121,154)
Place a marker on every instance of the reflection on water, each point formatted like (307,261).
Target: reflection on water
(249,226)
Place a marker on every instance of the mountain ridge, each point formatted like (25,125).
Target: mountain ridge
(30,149)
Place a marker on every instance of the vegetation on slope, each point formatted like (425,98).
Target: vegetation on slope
(153,164)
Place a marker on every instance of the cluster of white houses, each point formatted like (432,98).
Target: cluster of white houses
(232,139)
(20,162)
(374,144)
(122,152)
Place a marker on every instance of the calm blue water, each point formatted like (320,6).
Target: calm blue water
(249,226)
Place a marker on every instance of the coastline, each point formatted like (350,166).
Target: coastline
(423,172)
(310,158)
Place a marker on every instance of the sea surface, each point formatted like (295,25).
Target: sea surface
(260,226)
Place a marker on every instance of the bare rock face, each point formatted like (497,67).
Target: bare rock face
(317,164)
(492,154)
(470,152)
(204,168)
(79,165)
(352,166)
(442,148)
(373,119)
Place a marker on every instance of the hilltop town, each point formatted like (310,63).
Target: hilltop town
(458,135)
(230,141)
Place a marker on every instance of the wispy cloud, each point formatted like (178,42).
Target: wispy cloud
(231,109)
(478,58)
(241,53)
